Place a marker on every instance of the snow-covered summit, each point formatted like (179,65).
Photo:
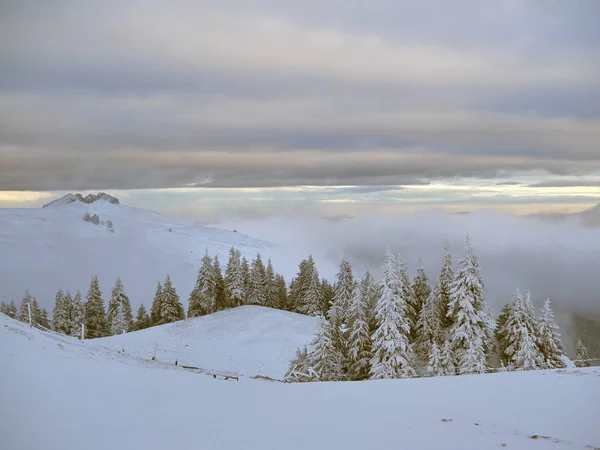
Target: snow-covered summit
(90,198)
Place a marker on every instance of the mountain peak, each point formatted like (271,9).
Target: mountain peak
(90,198)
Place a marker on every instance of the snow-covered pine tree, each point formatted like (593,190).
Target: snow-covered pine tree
(23,315)
(370,290)
(4,309)
(529,319)
(95,317)
(359,340)
(219,285)
(300,285)
(142,320)
(171,309)
(245,269)
(299,370)
(468,333)
(61,316)
(312,297)
(339,309)
(324,358)
(550,340)
(327,293)
(434,365)
(444,286)
(40,315)
(528,356)
(155,309)
(234,280)
(447,361)
(257,294)
(282,292)
(203,296)
(271,300)
(421,290)
(501,332)
(119,297)
(12,309)
(392,356)
(583,359)
(429,328)
(77,315)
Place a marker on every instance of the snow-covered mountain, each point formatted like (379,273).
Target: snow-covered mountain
(60,393)
(64,243)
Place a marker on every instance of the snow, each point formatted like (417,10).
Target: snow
(60,393)
(53,247)
(250,340)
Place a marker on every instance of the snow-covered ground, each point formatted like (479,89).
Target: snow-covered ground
(251,340)
(50,248)
(57,393)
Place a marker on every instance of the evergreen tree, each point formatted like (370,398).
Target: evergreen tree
(282,292)
(258,287)
(300,285)
(447,361)
(391,348)
(550,340)
(501,332)
(528,356)
(23,315)
(95,318)
(370,290)
(12,309)
(312,297)
(324,358)
(421,291)
(271,300)
(409,298)
(340,307)
(40,315)
(359,342)
(468,333)
(220,302)
(4,308)
(434,366)
(583,359)
(77,315)
(245,269)
(203,297)
(142,320)
(118,305)
(327,293)
(155,309)
(171,309)
(234,280)
(444,287)
(61,316)
(300,370)
(429,328)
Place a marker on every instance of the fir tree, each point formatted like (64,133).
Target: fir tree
(282,292)
(583,359)
(155,309)
(501,332)
(271,300)
(245,269)
(444,287)
(142,320)
(327,293)
(77,315)
(359,341)
(340,307)
(61,316)
(118,305)
(300,285)
(550,340)
(219,285)
(300,370)
(171,309)
(421,291)
(447,361)
(40,315)
(312,297)
(324,358)
(528,356)
(391,348)
(434,365)
(203,296)
(12,309)
(469,331)
(409,298)
(429,327)
(23,315)
(370,291)
(234,280)
(4,308)
(95,318)
(258,287)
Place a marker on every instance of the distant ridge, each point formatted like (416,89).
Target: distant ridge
(90,198)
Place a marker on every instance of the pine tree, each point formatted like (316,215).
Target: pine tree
(258,289)
(142,320)
(391,348)
(583,359)
(444,287)
(409,298)
(300,370)
(550,340)
(4,308)
(271,300)
(155,309)
(203,297)
(312,297)
(282,292)
(340,307)
(23,315)
(40,315)
(245,269)
(327,293)
(95,318)
(324,358)
(447,361)
(429,327)
(359,341)
(234,280)
(421,291)
(434,366)
(371,293)
(119,304)
(171,309)
(61,316)
(528,356)
(300,285)
(468,333)
(501,332)
(12,309)
(219,285)
(77,315)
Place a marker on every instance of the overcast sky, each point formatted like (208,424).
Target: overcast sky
(207,108)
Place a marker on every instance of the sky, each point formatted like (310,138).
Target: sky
(249,108)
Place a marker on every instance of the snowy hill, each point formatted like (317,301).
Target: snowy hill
(54,247)
(250,340)
(60,393)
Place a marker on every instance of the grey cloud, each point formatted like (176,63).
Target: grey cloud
(567,183)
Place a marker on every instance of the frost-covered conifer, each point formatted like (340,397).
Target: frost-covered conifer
(155,309)
(300,370)
(61,316)
(312,296)
(23,315)
(528,356)
(95,316)
(77,315)
(444,286)
(324,358)
(468,333)
(219,285)
(327,293)
(271,299)
(203,296)
(282,292)
(234,280)
(119,297)
(392,357)
(245,268)
(583,359)
(171,309)
(409,298)
(359,340)
(429,327)
(142,320)
(447,360)
(257,294)
(300,285)
(550,340)
(421,291)
(434,365)
(12,309)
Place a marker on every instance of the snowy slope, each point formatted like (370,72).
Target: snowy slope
(53,247)
(59,394)
(251,340)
